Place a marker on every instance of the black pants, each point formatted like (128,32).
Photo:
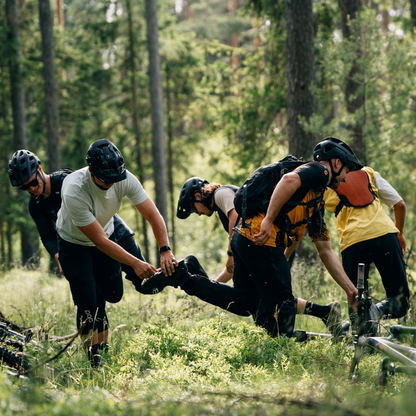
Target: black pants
(386,253)
(262,287)
(94,279)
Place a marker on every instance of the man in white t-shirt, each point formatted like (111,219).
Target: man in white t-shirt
(368,235)
(88,253)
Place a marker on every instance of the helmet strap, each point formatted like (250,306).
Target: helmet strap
(334,173)
(41,174)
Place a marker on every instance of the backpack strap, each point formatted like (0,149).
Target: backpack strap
(317,204)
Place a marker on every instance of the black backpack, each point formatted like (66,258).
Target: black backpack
(254,195)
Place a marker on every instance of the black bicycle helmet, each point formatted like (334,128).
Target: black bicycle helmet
(186,196)
(106,162)
(22,165)
(332,147)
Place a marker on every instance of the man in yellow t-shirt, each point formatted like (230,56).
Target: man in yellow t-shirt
(368,235)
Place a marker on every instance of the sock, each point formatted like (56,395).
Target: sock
(320,311)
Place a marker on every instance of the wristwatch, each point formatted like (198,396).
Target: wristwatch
(230,253)
(163,249)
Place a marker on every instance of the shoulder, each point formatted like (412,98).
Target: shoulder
(58,176)
(224,197)
(312,168)
(76,181)
(226,190)
(130,177)
(61,173)
(130,183)
(313,174)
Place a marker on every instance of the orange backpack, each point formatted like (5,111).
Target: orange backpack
(356,191)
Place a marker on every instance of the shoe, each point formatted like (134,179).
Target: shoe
(95,361)
(94,357)
(194,266)
(159,281)
(333,320)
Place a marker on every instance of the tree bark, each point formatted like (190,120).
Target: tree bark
(413,14)
(156,101)
(29,236)
(50,86)
(135,115)
(169,111)
(16,82)
(301,74)
(350,10)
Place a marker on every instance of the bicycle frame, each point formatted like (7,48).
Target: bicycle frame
(394,351)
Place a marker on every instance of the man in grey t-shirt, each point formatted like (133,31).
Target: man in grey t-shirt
(88,252)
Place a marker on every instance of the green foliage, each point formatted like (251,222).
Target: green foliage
(176,356)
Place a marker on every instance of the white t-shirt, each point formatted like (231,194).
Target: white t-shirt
(83,202)
(224,198)
(386,192)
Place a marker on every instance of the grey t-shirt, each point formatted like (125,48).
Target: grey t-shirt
(83,203)
(224,198)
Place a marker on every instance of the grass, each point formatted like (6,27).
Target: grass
(175,355)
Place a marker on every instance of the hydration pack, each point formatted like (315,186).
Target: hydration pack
(356,191)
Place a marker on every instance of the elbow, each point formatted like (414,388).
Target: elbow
(323,253)
(400,206)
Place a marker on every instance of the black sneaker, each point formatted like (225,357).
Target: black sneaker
(95,361)
(194,266)
(94,357)
(159,281)
(333,320)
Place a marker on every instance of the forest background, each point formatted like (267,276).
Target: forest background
(205,88)
(241,84)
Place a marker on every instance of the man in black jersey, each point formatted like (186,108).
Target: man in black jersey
(262,279)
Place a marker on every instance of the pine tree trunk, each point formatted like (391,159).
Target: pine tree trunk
(301,74)
(156,101)
(9,237)
(17,94)
(169,112)
(413,13)
(350,10)
(29,236)
(2,245)
(135,116)
(50,86)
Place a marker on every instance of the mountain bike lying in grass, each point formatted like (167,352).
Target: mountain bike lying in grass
(12,344)
(364,341)
(389,346)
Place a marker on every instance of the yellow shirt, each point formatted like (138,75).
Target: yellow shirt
(359,224)
(297,217)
